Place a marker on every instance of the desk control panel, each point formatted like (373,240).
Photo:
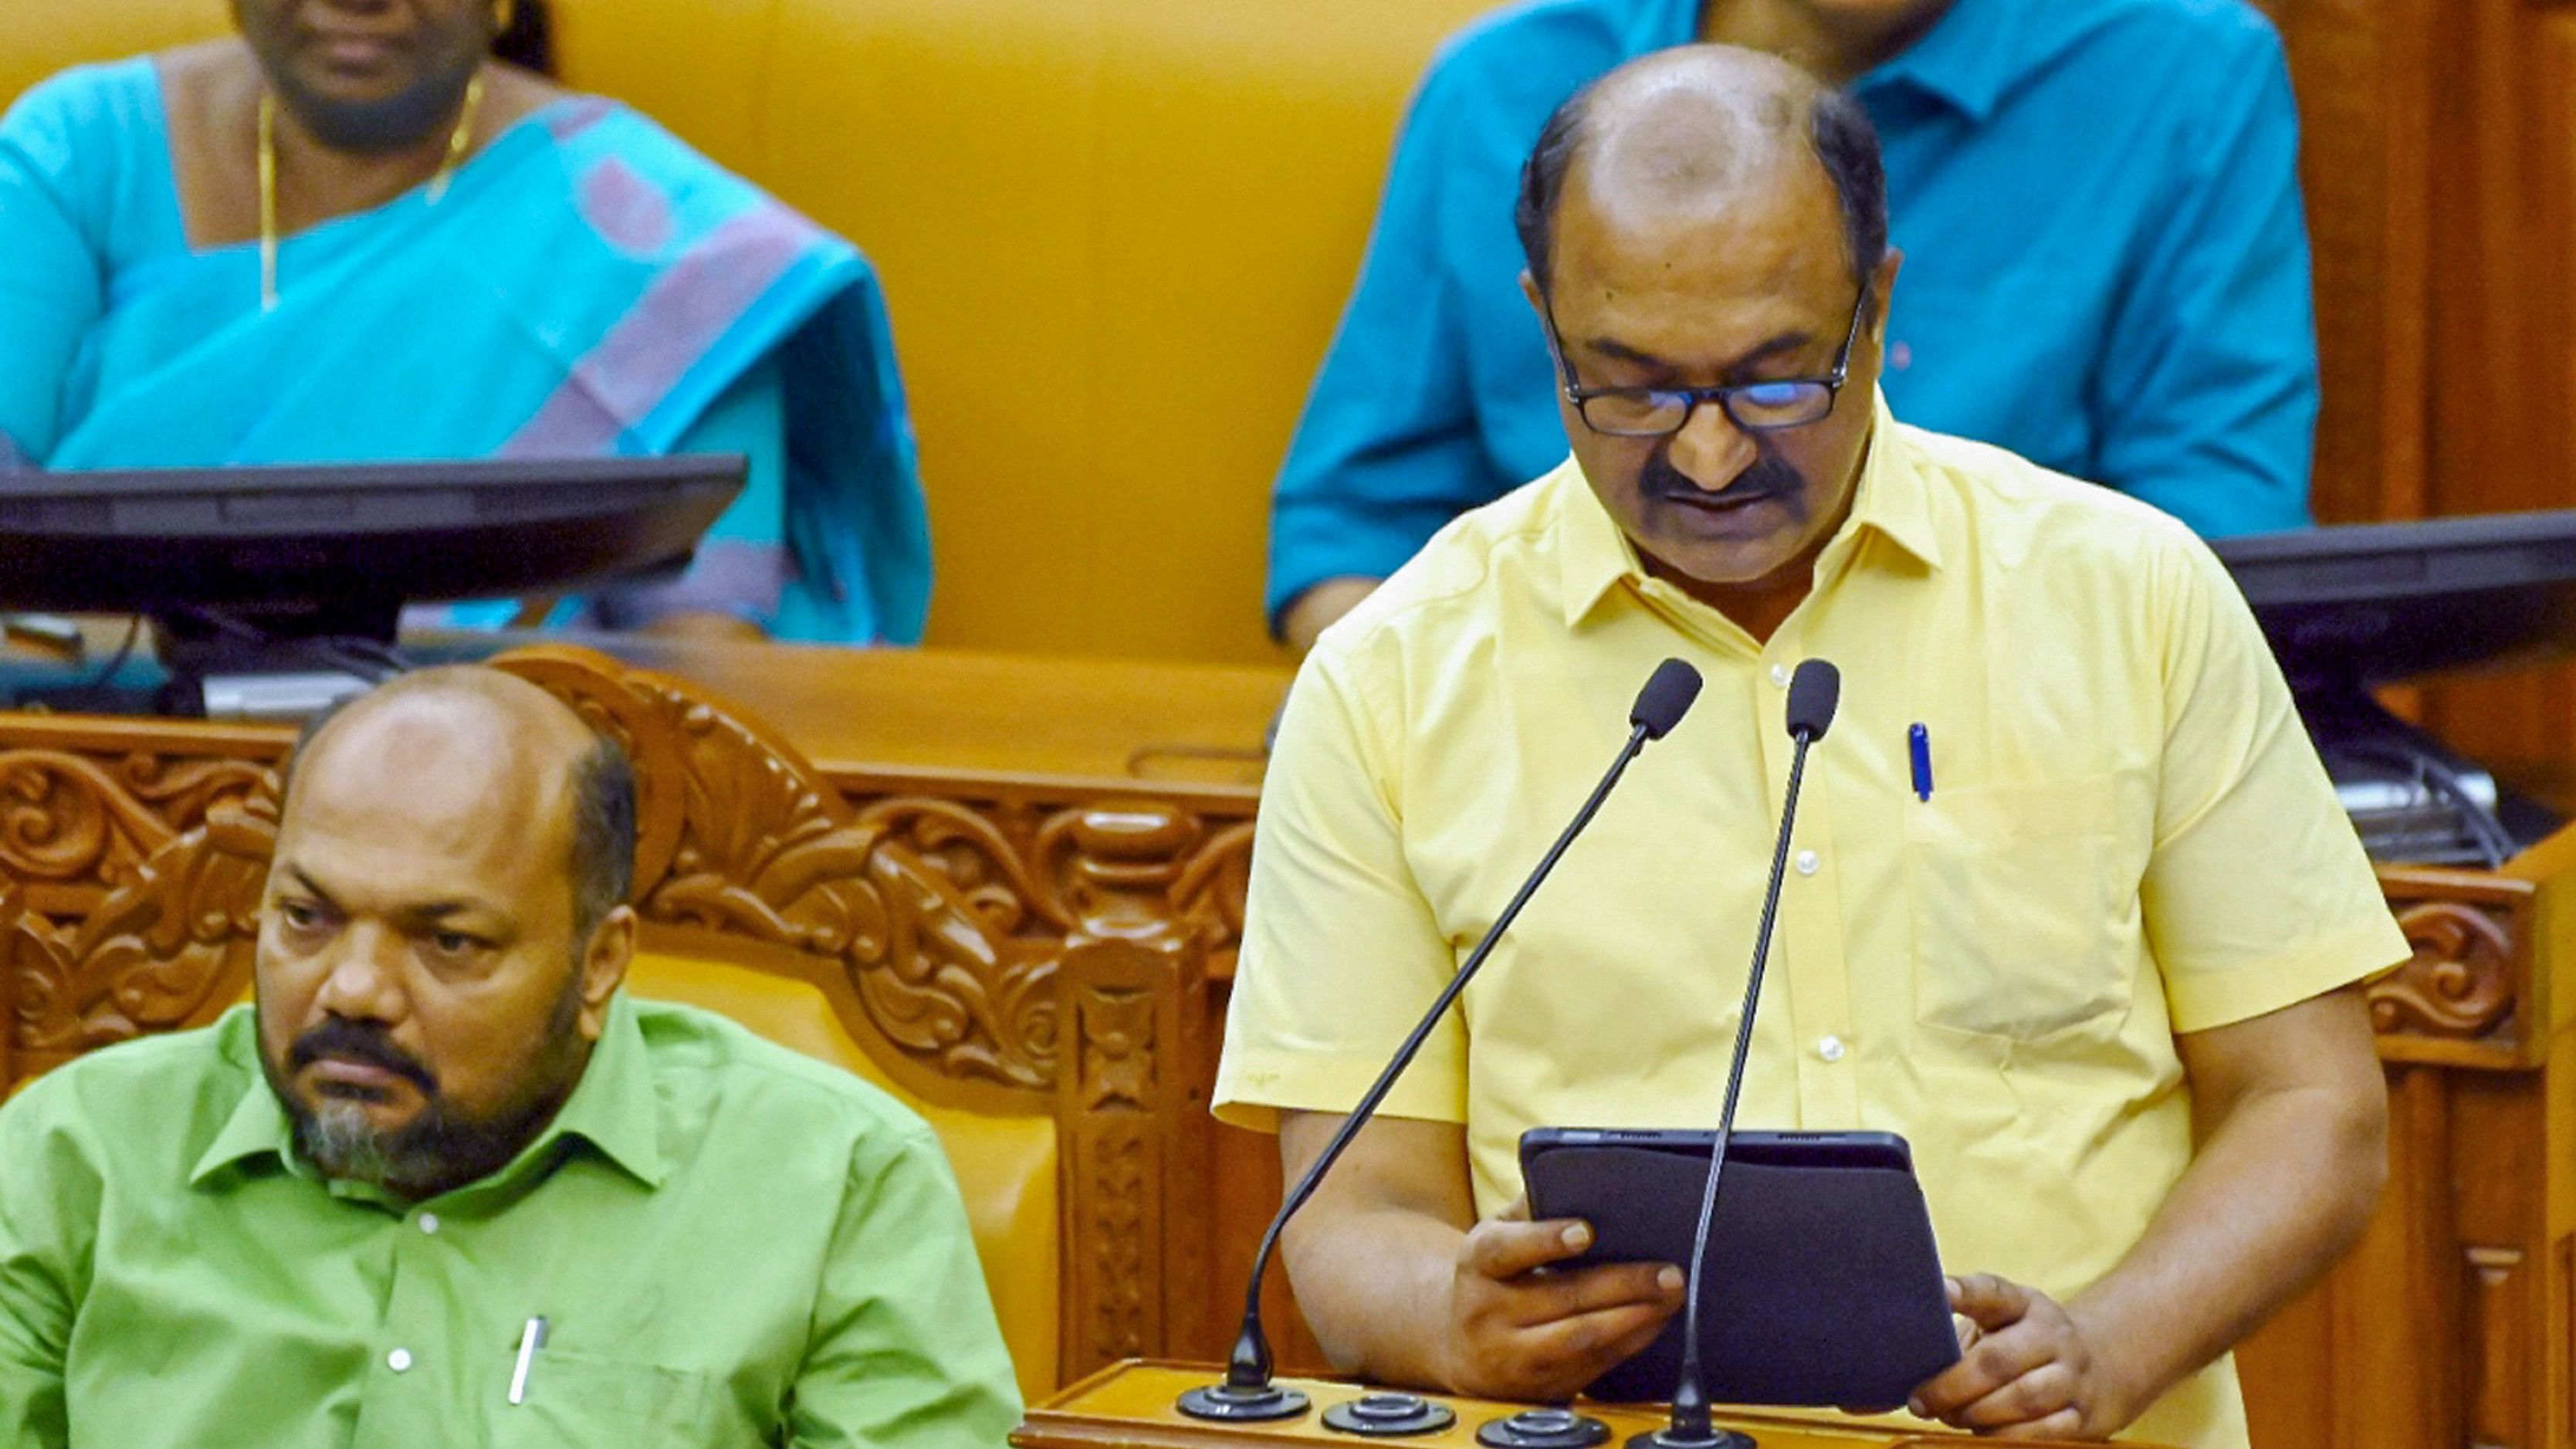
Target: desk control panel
(1133,1405)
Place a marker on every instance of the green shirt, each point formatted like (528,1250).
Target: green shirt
(731,1245)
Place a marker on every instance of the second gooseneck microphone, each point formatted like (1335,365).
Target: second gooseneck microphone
(1248,1393)
(1814,693)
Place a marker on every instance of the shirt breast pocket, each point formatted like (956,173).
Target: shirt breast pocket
(578,1399)
(2014,924)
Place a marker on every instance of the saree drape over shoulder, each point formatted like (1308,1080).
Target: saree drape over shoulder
(587,285)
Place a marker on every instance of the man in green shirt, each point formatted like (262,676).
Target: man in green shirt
(446,1185)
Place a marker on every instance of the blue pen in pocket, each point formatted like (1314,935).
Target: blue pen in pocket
(1918,746)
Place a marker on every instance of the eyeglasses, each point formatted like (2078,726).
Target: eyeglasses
(1756,407)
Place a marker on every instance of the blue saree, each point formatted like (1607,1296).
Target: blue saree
(587,286)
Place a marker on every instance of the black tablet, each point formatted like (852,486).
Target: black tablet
(1822,1287)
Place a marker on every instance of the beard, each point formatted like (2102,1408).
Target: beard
(440,1148)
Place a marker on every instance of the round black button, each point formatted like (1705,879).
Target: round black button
(1387,1416)
(1544,1429)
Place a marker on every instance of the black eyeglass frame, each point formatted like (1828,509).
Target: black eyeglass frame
(1693,398)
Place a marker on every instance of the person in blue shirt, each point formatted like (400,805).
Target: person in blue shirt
(2106,262)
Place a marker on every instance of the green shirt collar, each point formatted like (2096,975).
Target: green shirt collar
(613,1108)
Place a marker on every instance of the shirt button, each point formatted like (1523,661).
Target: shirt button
(399,1360)
(1807,862)
(429,1224)
(1780,676)
(1830,1048)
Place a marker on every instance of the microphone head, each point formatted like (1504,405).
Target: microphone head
(1665,699)
(1813,694)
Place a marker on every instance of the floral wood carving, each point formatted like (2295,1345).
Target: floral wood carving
(744,838)
(2461,982)
(166,947)
(72,818)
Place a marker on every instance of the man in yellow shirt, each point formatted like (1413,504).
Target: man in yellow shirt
(2128,913)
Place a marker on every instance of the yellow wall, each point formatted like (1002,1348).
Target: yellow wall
(1115,236)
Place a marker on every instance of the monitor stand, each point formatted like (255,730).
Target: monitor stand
(274,662)
(261,663)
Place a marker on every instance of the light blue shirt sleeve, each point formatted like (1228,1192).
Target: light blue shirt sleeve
(51,292)
(2206,402)
(1388,449)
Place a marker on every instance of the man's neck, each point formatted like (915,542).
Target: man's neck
(1759,608)
(1836,49)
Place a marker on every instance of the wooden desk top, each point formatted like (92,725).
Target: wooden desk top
(1130,1406)
(1082,719)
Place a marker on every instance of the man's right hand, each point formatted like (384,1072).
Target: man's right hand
(1522,1328)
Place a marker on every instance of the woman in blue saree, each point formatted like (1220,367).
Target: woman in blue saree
(352,235)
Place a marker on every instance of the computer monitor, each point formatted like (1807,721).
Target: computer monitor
(2354,606)
(265,570)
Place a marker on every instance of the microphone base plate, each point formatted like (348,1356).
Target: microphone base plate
(1544,1429)
(1226,1404)
(1665,1438)
(1389,1416)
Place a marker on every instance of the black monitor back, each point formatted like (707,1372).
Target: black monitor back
(348,539)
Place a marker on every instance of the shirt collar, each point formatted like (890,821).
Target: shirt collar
(1973,54)
(1594,556)
(614,1108)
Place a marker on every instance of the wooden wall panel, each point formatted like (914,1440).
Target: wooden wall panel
(2503,305)
(2365,93)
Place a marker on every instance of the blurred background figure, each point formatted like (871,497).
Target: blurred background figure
(353,232)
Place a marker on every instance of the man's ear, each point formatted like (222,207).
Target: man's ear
(603,968)
(1882,287)
(1537,299)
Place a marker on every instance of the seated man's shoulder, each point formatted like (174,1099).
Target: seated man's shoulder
(180,1086)
(1521,60)
(752,1080)
(2200,36)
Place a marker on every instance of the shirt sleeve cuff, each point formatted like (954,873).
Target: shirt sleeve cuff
(1253,1088)
(2206,1001)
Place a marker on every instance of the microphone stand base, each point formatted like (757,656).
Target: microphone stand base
(1667,1438)
(1227,1404)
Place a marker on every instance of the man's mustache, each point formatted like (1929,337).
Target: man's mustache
(1770,476)
(348,1041)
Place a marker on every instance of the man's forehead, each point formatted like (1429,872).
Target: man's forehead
(420,790)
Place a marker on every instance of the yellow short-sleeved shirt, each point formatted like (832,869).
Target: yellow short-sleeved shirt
(2129,836)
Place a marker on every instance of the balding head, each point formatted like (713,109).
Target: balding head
(1698,131)
(492,745)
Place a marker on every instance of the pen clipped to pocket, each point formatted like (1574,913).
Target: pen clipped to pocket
(531,1338)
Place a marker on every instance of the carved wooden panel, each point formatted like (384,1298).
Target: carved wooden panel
(2458,998)
(2365,94)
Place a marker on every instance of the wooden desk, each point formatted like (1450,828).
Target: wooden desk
(1129,1406)
(1059,851)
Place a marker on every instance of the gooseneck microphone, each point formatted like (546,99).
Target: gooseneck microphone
(1248,1393)
(1813,695)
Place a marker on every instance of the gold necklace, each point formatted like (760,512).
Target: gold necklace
(457,141)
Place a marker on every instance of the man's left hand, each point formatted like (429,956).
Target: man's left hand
(2028,1369)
